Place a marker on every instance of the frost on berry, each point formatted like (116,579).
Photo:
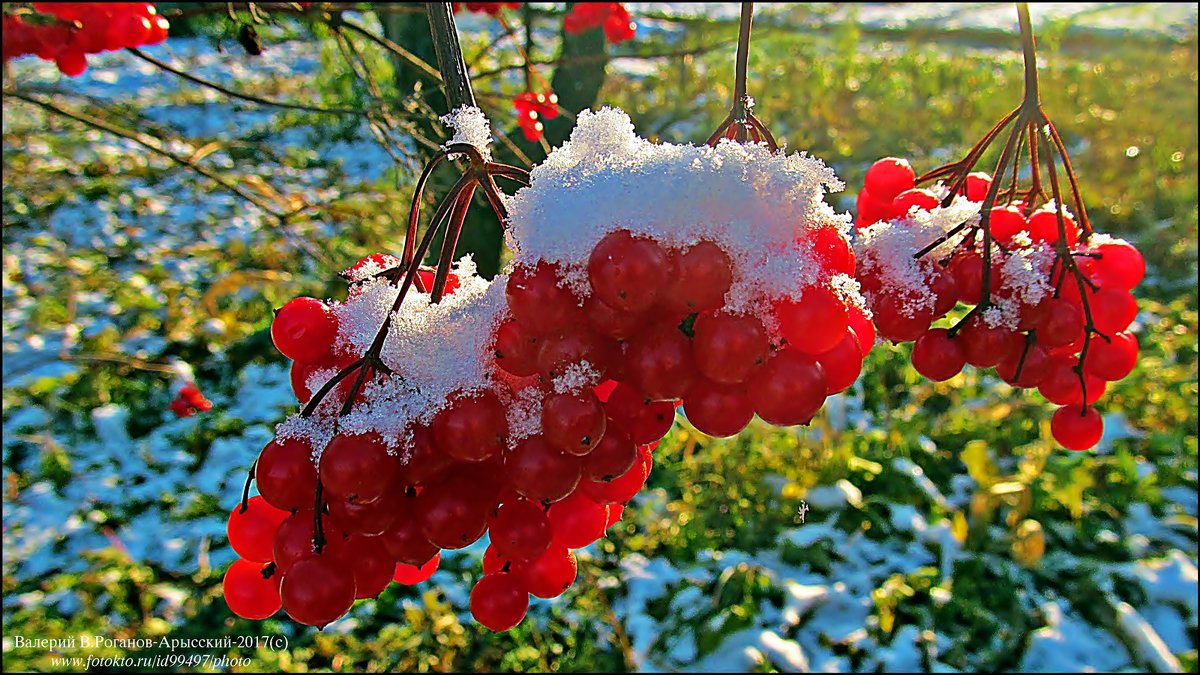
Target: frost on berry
(758,206)
(433,349)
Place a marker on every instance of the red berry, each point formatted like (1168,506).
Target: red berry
(536,299)
(1062,323)
(622,488)
(409,575)
(646,421)
(515,350)
(317,591)
(842,364)
(816,323)
(285,474)
(573,423)
(889,177)
(406,543)
(1033,361)
(833,250)
(1062,385)
(1043,227)
(552,573)
(922,200)
(71,62)
(498,602)
(371,518)
(294,540)
(863,329)
(453,512)
(625,271)
(304,330)
(520,530)
(612,456)
(1114,360)
(473,428)
(871,210)
(899,320)
(541,472)
(703,276)
(611,322)
(945,291)
(159,28)
(937,356)
(661,363)
(729,348)
(719,409)
(986,346)
(370,564)
(1005,222)
(1113,310)
(426,462)
(357,467)
(1120,266)
(248,593)
(978,184)
(252,532)
(789,389)
(576,521)
(1076,427)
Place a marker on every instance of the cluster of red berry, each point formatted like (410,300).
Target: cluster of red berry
(654,323)
(65,32)
(547,452)
(532,108)
(613,16)
(190,401)
(492,8)
(1046,320)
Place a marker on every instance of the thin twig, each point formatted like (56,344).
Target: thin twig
(237,94)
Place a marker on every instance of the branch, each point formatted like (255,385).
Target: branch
(96,123)
(455,80)
(237,94)
(392,47)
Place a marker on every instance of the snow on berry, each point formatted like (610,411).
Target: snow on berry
(758,206)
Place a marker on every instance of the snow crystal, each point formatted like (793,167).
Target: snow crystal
(471,127)
(755,204)
(885,250)
(575,377)
(525,415)
(433,349)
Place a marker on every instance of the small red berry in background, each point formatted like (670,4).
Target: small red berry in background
(189,401)
(532,108)
(613,17)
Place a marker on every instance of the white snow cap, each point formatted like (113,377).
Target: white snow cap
(435,349)
(754,203)
(472,127)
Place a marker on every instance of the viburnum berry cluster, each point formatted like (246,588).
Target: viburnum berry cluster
(1050,302)
(533,107)
(614,17)
(189,401)
(528,407)
(66,32)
